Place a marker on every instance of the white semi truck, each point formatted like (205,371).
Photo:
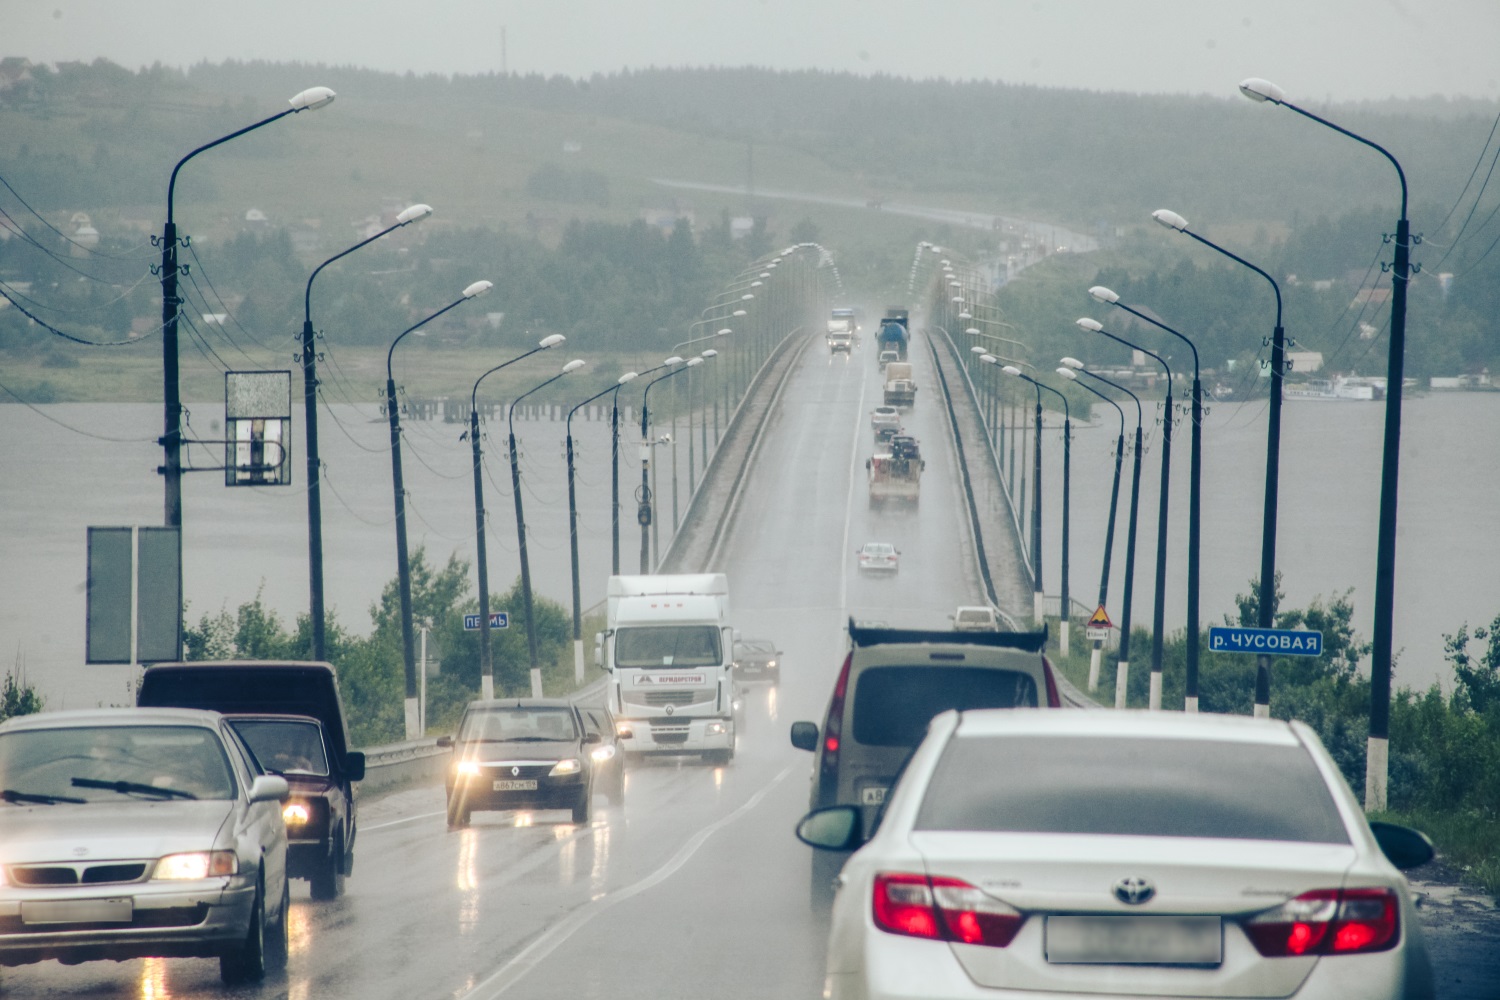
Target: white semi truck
(669,651)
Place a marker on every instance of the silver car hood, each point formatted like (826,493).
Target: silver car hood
(110,830)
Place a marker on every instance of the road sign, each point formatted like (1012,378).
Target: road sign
(1273,641)
(1097,629)
(498,619)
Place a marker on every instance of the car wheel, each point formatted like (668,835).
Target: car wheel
(278,945)
(458,814)
(327,880)
(616,791)
(826,866)
(583,809)
(246,962)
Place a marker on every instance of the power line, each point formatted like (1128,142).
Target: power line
(66,426)
(6,293)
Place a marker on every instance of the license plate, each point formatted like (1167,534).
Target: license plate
(523,785)
(872,796)
(78,911)
(1135,940)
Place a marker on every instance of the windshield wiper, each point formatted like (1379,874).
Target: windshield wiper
(539,739)
(133,788)
(35,798)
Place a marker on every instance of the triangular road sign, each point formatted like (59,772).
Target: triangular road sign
(1100,619)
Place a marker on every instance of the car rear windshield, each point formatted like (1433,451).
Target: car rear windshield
(894,704)
(285,746)
(1131,787)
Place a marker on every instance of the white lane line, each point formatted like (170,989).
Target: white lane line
(859,419)
(397,822)
(533,954)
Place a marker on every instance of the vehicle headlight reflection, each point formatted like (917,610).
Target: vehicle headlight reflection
(603,753)
(196,865)
(570,766)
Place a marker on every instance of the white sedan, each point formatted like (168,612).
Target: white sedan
(1122,854)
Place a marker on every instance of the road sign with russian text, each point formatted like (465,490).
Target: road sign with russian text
(1271,641)
(498,619)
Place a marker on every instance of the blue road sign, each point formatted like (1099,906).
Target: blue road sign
(498,619)
(1273,641)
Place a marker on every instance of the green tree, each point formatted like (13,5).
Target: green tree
(1478,676)
(17,697)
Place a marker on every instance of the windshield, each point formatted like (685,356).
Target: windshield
(115,763)
(527,724)
(1133,787)
(668,646)
(284,746)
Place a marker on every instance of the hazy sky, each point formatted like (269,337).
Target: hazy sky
(1315,49)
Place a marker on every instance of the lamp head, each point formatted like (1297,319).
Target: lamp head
(1105,295)
(724,332)
(1091,325)
(1170,219)
(976,349)
(971,329)
(1262,90)
(1068,374)
(747,296)
(989,359)
(965,315)
(478,288)
(673,360)
(413,213)
(574,365)
(627,377)
(765,274)
(739,312)
(1072,362)
(693,362)
(312,99)
(959,299)
(710,353)
(1011,370)
(551,340)
(757,284)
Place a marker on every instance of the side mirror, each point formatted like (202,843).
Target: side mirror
(837,828)
(269,788)
(599,650)
(589,738)
(805,735)
(354,765)
(446,742)
(1404,847)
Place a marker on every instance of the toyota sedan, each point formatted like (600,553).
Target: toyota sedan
(1028,854)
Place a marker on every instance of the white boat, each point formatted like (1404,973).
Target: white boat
(1352,387)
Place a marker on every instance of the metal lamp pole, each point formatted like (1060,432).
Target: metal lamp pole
(1266,601)
(1378,746)
(309,359)
(486,650)
(1122,670)
(1195,496)
(515,489)
(1071,374)
(644,512)
(171,438)
(1159,608)
(403,560)
(614,477)
(573,527)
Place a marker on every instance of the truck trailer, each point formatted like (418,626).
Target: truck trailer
(900,389)
(668,647)
(894,333)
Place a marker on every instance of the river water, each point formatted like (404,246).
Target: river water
(71,466)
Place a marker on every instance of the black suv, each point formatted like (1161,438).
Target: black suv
(521,753)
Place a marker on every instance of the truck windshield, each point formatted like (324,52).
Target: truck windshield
(668,646)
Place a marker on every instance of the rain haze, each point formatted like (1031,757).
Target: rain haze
(1341,50)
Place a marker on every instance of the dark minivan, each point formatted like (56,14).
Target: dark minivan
(290,715)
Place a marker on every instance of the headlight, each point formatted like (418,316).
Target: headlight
(603,753)
(623,730)
(198,864)
(296,813)
(771,663)
(715,729)
(466,769)
(570,766)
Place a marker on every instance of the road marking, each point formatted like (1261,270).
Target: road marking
(533,954)
(859,419)
(398,822)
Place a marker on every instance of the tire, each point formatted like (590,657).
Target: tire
(718,758)
(246,962)
(278,945)
(327,881)
(616,791)
(583,809)
(826,866)
(458,815)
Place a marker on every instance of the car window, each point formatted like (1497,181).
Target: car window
(116,763)
(1133,787)
(894,704)
(285,746)
(551,723)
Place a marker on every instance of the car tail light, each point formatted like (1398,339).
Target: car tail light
(942,909)
(1053,699)
(1328,922)
(833,731)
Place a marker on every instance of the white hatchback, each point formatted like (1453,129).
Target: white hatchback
(1027,853)
(885,416)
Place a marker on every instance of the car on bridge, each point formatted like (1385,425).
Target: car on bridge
(878,557)
(975,618)
(885,416)
(1027,854)
(757,660)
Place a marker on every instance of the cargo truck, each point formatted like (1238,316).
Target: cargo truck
(896,476)
(900,389)
(894,333)
(668,647)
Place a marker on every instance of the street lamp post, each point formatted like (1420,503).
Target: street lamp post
(1378,747)
(573,527)
(1114,497)
(614,476)
(403,560)
(1266,602)
(1159,607)
(171,439)
(515,489)
(723,332)
(1122,669)
(486,652)
(309,359)
(1195,496)
(644,513)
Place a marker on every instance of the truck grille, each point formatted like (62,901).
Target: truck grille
(669,734)
(657,699)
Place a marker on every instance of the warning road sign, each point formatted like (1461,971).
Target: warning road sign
(1097,629)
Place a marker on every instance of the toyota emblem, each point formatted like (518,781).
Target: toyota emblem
(515,771)
(1134,891)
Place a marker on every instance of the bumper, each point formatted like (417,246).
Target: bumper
(479,794)
(675,734)
(200,919)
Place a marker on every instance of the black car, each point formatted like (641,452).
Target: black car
(521,753)
(757,660)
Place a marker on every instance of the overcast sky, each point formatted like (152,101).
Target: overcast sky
(1315,49)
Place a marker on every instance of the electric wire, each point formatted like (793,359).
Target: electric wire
(59,232)
(5,293)
(35,408)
